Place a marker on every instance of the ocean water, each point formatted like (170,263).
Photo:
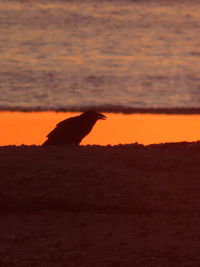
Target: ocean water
(68,55)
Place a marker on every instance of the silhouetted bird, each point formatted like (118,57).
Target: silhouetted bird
(73,130)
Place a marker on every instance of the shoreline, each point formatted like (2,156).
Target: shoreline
(30,128)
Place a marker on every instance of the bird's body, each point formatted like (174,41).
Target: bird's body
(73,130)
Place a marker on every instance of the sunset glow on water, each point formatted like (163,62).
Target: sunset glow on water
(74,54)
(31,128)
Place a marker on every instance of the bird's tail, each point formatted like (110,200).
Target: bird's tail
(47,143)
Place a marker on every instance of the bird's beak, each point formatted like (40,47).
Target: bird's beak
(101,116)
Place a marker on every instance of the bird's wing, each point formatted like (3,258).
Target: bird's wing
(65,127)
(68,121)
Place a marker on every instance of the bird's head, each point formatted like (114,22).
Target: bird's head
(94,115)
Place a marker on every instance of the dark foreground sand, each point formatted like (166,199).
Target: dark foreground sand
(127,205)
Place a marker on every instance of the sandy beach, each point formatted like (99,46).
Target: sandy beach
(129,205)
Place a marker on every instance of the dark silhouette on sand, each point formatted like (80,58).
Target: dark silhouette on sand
(73,130)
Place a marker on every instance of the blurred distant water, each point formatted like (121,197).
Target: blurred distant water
(75,54)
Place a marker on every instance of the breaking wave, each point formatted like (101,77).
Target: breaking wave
(107,108)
